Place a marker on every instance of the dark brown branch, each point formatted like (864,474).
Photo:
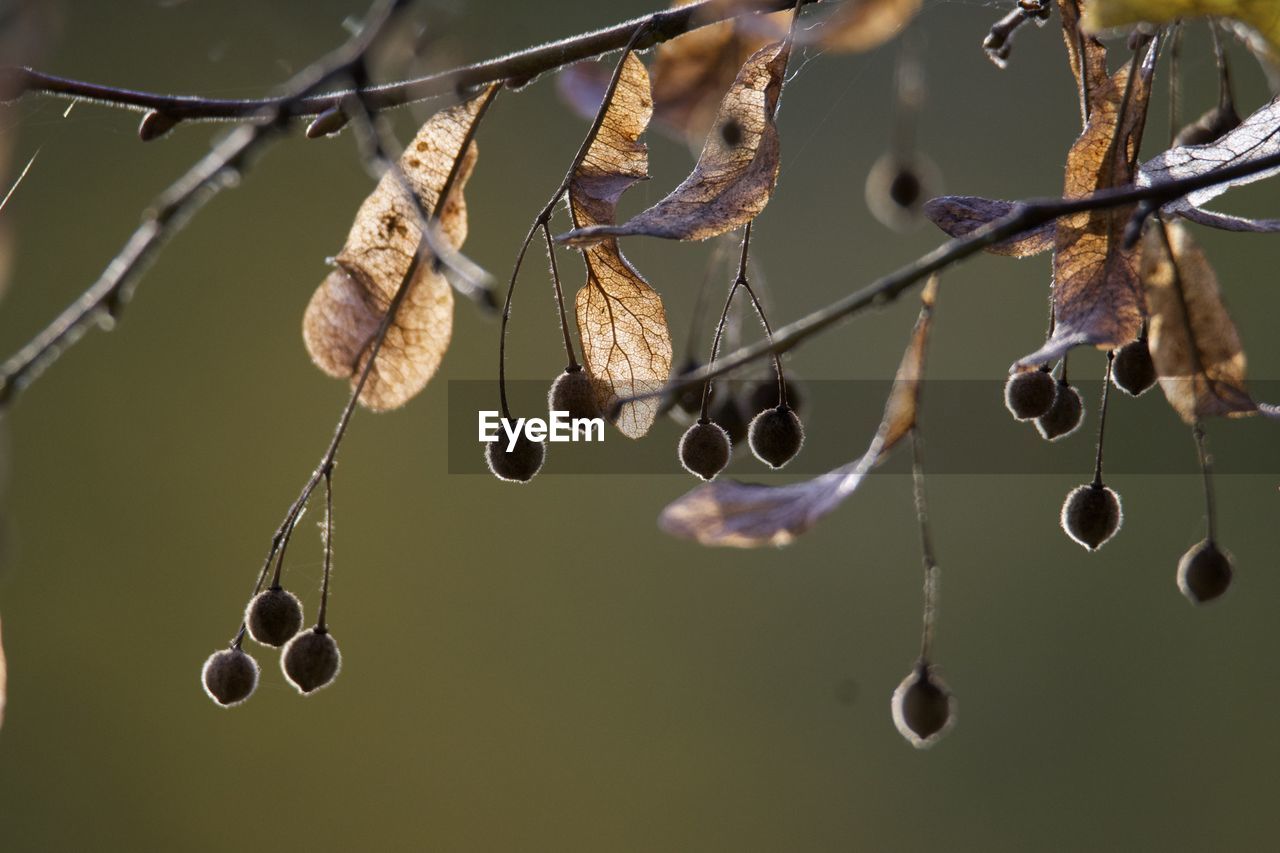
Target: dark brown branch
(514,69)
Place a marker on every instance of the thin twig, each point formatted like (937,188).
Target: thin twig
(514,69)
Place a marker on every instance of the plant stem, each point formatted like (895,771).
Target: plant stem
(1102,419)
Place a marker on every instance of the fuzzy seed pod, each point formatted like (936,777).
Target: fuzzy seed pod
(311,660)
(518,466)
(1133,371)
(728,414)
(923,708)
(572,393)
(775,436)
(1091,515)
(229,677)
(273,616)
(764,395)
(705,449)
(1064,416)
(1030,394)
(1204,572)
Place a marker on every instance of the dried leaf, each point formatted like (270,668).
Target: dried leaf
(690,73)
(960,215)
(348,307)
(1257,136)
(858,25)
(1097,296)
(1194,343)
(1262,15)
(735,173)
(621,321)
(749,515)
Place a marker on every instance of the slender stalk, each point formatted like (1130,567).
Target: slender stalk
(1206,463)
(573,365)
(514,69)
(1102,418)
(321,625)
(930,610)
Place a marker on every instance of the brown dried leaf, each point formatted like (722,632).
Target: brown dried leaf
(1194,343)
(347,308)
(1097,296)
(960,215)
(735,173)
(1088,59)
(621,321)
(749,515)
(858,25)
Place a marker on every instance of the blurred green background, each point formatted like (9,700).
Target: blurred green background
(538,668)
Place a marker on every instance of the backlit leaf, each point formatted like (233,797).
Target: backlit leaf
(348,307)
(735,173)
(1193,341)
(621,320)
(749,515)
(1097,296)
(960,215)
(1257,136)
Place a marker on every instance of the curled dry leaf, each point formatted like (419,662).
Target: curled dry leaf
(735,173)
(960,215)
(1257,136)
(749,515)
(1193,341)
(621,321)
(690,73)
(857,25)
(1097,297)
(348,307)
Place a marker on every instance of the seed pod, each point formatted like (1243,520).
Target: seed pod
(775,436)
(1211,126)
(1030,394)
(1064,416)
(311,660)
(1204,572)
(764,395)
(728,414)
(897,188)
(154,125)
(1091,515)
(705,449)
(330,121)
(273,616)
(572,393)
(1133,371)
(229,677)
(520,464)
(923,708)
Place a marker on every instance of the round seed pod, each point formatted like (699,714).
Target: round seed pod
(311,660)
(572,393)
(923,708)
(689,399)
(775,436)
(520,464)
(1204,572)
(728,414)
(1091,515)
(229,676)
(764,395)
(1030,394)
(1133,371)
(705,449)
(897,189)
(1064,416)
(273,616)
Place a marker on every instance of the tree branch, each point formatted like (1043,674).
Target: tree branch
(514,69)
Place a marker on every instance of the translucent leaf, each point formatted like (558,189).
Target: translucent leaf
(1256,137)
(1097,296)
(348,307)
(621,320)
(749,515)
(1193,341)
(960,215)
(735,173)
